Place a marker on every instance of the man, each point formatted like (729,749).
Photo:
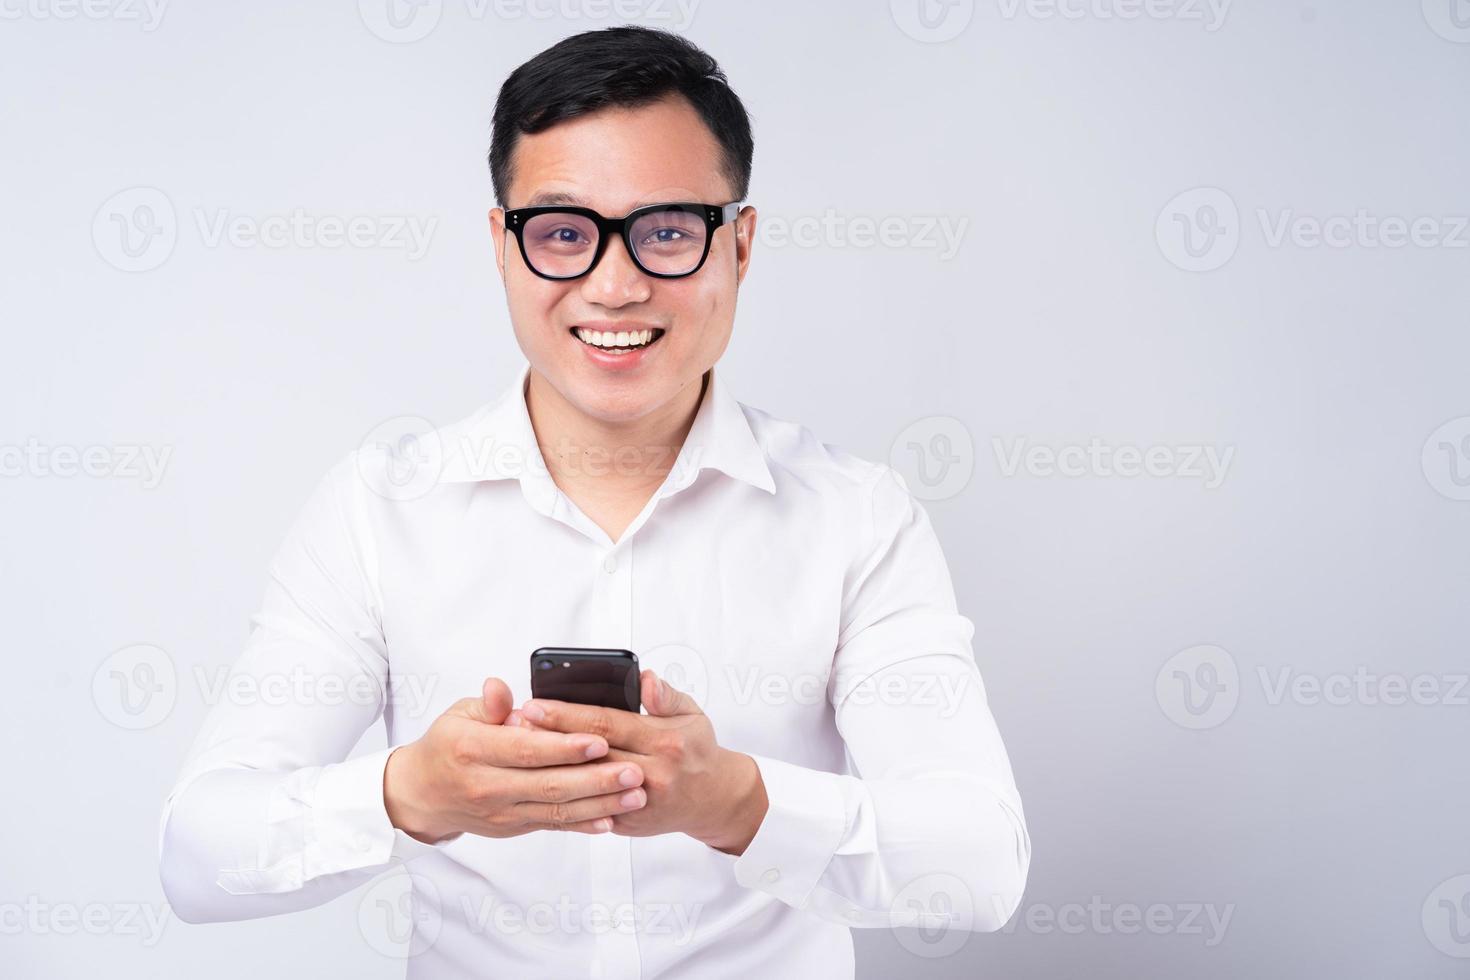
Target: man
(831,761)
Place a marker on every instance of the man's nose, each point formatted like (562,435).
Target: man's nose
(617,280)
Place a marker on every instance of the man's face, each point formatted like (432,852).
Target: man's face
(613,161)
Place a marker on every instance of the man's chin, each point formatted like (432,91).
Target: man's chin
(609,398)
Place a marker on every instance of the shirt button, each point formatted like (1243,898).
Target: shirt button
(771,876)
(363,842)
(854,914)
(610,564)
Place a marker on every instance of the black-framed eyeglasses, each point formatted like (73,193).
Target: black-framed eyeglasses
(667,241)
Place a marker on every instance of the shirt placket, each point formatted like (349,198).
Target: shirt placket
(616,955)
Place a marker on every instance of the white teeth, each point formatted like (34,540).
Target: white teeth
(611,339)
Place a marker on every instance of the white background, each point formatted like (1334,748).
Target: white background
(1058,140)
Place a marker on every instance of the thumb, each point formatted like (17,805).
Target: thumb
(664,701)
(490,708)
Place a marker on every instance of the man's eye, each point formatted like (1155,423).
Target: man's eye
(665,236)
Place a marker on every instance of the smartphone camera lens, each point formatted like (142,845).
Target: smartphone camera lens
(543,665)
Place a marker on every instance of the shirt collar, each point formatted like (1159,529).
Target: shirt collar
(498,443)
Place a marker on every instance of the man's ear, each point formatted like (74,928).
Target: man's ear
(744,240)
(497,235)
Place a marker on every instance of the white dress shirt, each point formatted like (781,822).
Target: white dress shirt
(796,591)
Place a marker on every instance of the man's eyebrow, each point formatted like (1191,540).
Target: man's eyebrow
(555,197)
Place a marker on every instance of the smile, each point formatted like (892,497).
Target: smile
(620,341)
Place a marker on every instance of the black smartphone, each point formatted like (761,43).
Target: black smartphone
(587,675)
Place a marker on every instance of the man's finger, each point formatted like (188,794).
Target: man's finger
(559,784)
(524,748)
(622,755)
(621,728)
(491,707)
(496,697)
(600,826)
(663,700)
(580,811)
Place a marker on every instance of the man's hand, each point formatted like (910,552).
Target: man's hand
(470,773)
(694,786)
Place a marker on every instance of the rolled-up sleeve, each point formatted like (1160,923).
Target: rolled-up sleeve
(268,814)
(927,828)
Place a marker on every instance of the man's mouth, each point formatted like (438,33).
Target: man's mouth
(618,341)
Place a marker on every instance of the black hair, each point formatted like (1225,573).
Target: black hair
(625,67)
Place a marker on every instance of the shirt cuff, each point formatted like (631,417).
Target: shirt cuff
(350,825)
(803,827)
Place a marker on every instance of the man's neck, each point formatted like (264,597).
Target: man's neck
(609,467)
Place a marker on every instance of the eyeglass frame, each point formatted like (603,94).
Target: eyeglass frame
(715,216)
